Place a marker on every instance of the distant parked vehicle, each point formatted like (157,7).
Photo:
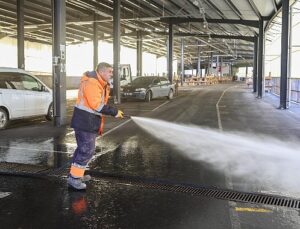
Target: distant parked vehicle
(23,95)
(125,78)
(148,88)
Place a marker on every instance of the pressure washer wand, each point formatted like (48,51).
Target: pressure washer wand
(126,116)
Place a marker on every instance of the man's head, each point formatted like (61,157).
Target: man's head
(105,70)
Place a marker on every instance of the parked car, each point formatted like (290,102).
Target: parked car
(148,88)
(23,95)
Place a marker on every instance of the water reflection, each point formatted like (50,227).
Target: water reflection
(78,202)
(54,153)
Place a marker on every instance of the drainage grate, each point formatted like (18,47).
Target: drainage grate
(213,192)
(255,198)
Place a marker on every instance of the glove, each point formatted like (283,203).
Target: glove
(120,114)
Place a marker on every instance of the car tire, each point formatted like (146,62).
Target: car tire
(50,113)
(171,94)
(148,96)
(4,120)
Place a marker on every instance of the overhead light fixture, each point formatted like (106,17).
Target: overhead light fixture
(195,2)
(205,24)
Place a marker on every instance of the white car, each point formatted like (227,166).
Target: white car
(23,95)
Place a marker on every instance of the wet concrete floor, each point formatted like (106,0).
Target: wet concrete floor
(130,151)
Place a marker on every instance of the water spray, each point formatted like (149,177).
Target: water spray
(255,158)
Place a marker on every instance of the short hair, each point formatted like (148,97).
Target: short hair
(102,66)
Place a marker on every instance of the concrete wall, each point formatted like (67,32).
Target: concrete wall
(72,81)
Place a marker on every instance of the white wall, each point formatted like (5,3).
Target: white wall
(79,58)
(37,56)
(273,52)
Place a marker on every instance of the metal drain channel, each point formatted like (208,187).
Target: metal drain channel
(213,192)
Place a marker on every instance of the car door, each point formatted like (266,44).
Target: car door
(156,88)
(35,100)
(165,86)
(11,90)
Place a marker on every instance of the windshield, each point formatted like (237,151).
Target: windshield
(142,81)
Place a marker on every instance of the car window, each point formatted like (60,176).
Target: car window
(164,80)
(125,74)
(3,84)
(31,83)
(156,81)
(11,80)
(142,81)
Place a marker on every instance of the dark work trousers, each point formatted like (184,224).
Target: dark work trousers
(85,147)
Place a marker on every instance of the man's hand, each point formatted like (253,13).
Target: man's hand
(120,114)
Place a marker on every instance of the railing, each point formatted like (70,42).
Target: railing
(295,88)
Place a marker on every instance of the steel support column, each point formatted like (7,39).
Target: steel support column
(59,62)
(182,60)
(199,72)
(20,33)
(290,56)
(221,67)
(170,53)
(116,47)
(260,60)
(95,41)
(139,54)
(217,65)
(211,62)
(284,54)
(255,65)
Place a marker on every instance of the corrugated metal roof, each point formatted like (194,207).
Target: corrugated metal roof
(145,15)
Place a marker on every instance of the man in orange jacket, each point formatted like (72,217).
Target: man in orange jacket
(88,120)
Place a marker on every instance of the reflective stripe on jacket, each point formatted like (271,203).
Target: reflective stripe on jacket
(93,92)
(91,102)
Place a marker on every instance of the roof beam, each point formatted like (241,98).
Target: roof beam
(180,20)
(275,6)
(219,12)
(234,8)
(245,38)
(254,8)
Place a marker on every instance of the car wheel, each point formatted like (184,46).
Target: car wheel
(50,113)
(148,96)
(3,119)
(171,94)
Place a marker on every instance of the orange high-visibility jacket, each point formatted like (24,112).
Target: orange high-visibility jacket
(91,103)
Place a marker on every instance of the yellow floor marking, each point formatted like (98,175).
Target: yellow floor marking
(259,210)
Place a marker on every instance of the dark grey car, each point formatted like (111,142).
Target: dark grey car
(147,88)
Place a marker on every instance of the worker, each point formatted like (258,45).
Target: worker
(88,120)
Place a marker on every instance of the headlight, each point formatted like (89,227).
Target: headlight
(140,89)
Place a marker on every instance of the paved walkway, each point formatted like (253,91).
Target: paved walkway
(211,137)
